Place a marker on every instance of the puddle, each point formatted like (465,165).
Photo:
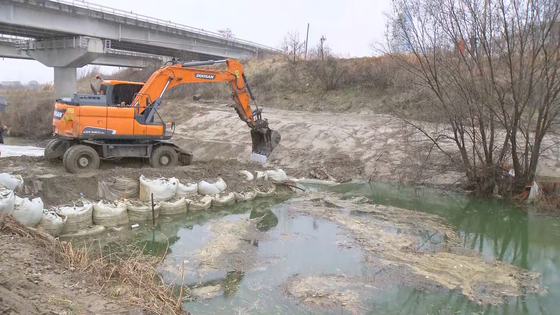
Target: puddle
(20,150)
(19,147)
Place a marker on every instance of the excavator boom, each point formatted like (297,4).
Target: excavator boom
(148,99)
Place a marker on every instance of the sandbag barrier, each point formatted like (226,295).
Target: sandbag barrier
(119,207)
(110,214)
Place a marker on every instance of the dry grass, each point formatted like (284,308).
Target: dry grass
(30,112)
(549,195)
(133,276)
(132,279)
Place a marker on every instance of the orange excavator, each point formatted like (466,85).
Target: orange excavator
(121,119)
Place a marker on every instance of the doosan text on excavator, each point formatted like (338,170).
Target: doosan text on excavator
(121,119)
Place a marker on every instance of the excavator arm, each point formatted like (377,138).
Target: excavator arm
(149,98)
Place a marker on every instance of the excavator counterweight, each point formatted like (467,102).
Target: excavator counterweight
(121,119)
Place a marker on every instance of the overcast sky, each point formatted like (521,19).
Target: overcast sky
(349,26)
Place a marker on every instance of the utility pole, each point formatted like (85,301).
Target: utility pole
(306,40)
(323,39)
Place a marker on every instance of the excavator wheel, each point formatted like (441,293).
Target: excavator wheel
(164,156)
(55,149)
(81,159)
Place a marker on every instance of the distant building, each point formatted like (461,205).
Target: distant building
(33,84)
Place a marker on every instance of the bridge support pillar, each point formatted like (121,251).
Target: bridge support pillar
(65,55)
(65,82)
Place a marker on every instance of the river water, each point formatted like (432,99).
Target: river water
(19,147)
(302,245)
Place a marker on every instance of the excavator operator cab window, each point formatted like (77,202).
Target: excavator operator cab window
(124,93)
(103,89)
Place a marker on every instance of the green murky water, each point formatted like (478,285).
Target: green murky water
(299,244)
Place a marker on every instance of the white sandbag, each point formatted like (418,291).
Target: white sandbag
(186,190)
(140,212)
(7,201)
(79,216)
(262,175)
(278,176)
(52,222)
(118,188)
(203,204)
(162,188)
(28,211)
(89,231)
(12,182)
(534,192)
(245,196)
(267,193)
(220,184)
(110,214)
(173,207)
(223,199)
(248,175)
(206,188)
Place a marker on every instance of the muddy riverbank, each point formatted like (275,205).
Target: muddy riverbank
(37,278)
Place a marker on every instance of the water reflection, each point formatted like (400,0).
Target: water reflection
(268,219)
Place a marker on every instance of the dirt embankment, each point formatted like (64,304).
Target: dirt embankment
(331,146)
(37,277)
(405,248)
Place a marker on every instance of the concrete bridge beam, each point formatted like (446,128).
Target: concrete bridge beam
(67,52)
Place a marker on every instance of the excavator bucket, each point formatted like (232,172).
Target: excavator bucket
(264,141)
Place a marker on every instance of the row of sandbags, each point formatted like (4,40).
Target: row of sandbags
(275,176)
(164,189)
(84,218)
(161,188)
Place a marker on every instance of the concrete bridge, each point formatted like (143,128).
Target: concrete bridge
(70,34)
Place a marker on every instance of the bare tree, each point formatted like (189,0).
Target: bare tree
(323,49)
(324,67)
(226,33)
(492,67)
(293,47)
